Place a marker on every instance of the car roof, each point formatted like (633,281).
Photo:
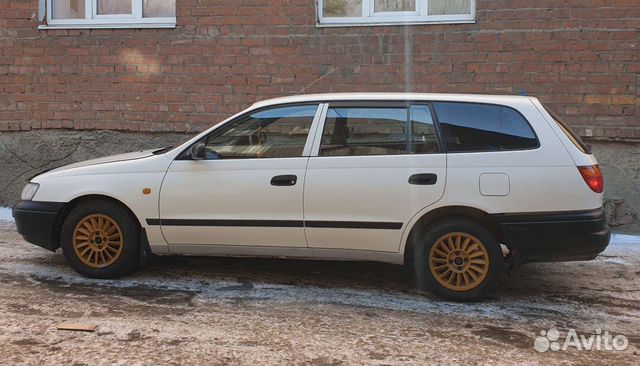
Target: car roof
(481,98)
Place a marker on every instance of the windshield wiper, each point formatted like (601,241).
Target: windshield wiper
(162,150)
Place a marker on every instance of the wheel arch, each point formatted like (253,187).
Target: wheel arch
(440,213)
(69,206)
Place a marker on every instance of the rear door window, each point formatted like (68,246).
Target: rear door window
(423,134)
(385,130)
(475,127)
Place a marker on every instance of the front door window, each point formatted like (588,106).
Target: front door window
(273,133)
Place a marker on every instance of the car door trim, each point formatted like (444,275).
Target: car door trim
(318,120)
(223,222)
(278,223)
(354,225)
(318,129)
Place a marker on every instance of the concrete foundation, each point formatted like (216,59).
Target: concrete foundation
(25,154)
(620,165)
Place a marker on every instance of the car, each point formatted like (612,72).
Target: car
(456,186)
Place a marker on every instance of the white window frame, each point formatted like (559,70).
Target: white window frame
(94,20)
(370,17)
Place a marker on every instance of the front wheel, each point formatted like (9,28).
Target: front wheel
(100,239)
(458,259)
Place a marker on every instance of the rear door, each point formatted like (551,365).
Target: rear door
(373,166)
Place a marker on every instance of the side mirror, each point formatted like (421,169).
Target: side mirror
(198,151)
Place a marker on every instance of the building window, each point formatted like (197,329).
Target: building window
(372,12)
(111,14)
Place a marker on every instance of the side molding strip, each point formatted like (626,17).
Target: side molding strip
(196,222)
(279,223)
(354,225)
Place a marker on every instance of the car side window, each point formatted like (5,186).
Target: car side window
(468,127)
(279,132)
(357,131)
(424,139)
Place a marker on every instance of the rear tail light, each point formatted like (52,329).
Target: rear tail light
(593,177)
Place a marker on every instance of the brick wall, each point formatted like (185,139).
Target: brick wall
(579,56)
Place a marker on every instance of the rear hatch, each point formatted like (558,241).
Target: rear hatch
(580,152)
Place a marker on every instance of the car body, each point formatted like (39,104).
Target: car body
(352,176)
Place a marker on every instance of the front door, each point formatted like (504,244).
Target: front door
(249,189)
(376,165)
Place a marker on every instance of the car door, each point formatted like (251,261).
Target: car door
(248,191)
(373,166)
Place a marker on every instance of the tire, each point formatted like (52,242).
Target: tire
(100,239)
(457,259)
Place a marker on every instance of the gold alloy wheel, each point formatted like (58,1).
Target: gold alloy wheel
(97,241)
(459,261)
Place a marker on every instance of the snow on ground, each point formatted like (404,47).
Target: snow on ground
(269,311)
(632,241)
(622,250)
(5,214)
(223,289)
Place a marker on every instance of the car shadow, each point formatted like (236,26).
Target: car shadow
(529,280)
(296,272)
(217,275)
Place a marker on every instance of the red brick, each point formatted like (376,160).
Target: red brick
(582,56)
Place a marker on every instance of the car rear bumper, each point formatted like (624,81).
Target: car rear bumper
(556,236)
(36,221)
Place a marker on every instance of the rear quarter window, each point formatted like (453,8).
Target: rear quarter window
(571,135)
(475,127)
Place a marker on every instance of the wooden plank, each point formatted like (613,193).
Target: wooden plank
(82,327)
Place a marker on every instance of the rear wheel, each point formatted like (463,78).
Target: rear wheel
(100,239)
(458,259)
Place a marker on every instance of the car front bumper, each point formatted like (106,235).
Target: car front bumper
(36,220)
(556,236)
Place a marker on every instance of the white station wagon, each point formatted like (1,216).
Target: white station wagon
(454,185)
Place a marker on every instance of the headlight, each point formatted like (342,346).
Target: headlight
(29,191)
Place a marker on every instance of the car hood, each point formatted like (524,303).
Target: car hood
(107,159)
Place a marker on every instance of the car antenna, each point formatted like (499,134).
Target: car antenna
(320,78)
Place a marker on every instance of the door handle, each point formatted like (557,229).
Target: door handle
(426,179)
(284,180)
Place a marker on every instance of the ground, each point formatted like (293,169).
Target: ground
(183,310)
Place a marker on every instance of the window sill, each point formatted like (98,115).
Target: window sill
(107,26)
(385,24)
